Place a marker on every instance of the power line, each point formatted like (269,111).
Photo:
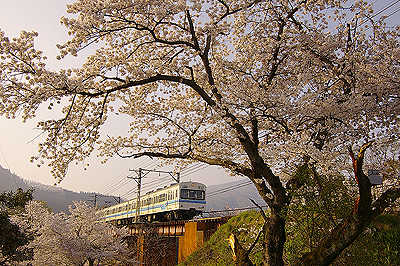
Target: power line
(194,169)
(9,169)
(111,183)
(115,184)
(230,188)
(386,7)
(239,209)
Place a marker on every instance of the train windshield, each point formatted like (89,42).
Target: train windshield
(192,194)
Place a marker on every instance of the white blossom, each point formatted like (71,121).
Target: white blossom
(72,239)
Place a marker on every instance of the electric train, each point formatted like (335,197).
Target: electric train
(180,201)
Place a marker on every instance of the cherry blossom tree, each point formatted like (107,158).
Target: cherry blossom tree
(80,238)
(259,88)
(11,237)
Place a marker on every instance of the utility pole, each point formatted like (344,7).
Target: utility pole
(141,173)
(94,200)
(138,180)
(96,196)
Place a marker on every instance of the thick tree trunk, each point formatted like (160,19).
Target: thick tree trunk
(273,241)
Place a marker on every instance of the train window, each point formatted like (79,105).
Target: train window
(192,194)
(149,201)
(163,197)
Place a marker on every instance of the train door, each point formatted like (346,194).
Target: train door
(169,201)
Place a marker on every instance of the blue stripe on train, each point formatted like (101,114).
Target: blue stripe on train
(162,206)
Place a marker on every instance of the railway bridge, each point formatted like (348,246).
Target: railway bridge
(169,243)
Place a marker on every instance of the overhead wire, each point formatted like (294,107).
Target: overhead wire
(115,180)
(193,169)
(9,169)
(190,167)
(384,8)
(389,5)
(230,188)
(115,184)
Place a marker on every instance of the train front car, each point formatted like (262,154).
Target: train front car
(192,199)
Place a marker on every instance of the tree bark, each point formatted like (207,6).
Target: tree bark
(274,239)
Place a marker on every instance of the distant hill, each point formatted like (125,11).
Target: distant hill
(56,197)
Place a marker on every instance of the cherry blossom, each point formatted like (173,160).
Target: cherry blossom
(75,239)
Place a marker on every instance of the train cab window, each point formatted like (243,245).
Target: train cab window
(192,194)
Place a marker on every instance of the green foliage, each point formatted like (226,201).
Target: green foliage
(10,236)
(15,200)
(378,245)
(318,206)
(217,251)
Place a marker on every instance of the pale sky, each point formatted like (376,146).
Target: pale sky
(17,139)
